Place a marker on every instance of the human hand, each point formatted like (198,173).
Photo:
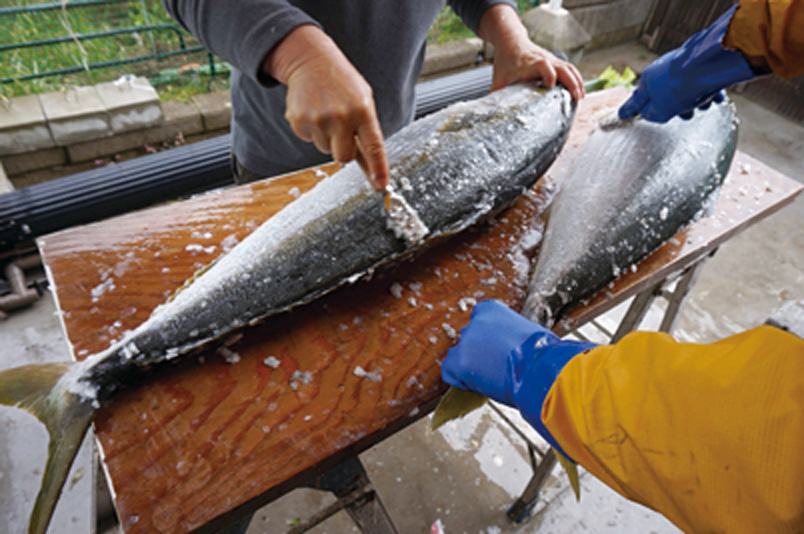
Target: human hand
(329,102)
(517,58)
(529,62)
(481,361)
(688,77)
(510,359)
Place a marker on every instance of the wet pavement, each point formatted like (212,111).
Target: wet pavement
(467,474)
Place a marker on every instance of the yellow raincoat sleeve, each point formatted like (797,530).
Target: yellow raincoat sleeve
(771,32)
(711,436)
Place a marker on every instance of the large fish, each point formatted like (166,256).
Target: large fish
(631,189)
(448,170)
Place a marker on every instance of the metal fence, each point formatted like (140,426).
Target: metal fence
(46,45)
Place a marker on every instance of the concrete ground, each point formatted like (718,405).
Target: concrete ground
(467,474)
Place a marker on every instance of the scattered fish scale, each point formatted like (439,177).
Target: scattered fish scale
(450,170)
(632,189)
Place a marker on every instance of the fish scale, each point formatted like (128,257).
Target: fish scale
(631,189)
(452,169)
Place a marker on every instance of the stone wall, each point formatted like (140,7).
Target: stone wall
(55,134)
(46,136)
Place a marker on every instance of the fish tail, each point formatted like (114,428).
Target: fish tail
(66,416)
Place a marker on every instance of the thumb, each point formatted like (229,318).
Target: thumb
(638,100)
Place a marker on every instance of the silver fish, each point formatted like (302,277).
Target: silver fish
(448,170)
(631,189)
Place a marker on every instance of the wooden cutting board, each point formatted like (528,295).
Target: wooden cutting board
(218,435)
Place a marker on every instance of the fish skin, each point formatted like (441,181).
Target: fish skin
(631,189)
(608,212)
(477,157)
(453,168)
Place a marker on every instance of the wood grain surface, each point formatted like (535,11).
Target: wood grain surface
(221,433)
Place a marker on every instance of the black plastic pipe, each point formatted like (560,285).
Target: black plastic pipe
(114,189)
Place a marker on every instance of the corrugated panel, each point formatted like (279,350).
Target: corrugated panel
(673,21)
(573,4)
(786,97)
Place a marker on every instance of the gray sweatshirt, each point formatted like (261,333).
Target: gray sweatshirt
(384,40)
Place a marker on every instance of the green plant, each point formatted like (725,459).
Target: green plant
(449,27)
(153,34)
(136,38)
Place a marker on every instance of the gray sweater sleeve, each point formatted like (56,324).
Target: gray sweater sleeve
(471,11)
(242,32)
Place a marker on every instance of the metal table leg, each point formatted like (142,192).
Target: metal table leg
(351,485)
(637,310)
(523,506)
(676,298)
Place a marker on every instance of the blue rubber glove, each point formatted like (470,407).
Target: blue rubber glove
(693,75)
(510,359)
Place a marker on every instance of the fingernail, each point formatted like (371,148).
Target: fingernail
(375,183)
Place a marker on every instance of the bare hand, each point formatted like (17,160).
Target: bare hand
(530,61)
(329,102)
(517,58)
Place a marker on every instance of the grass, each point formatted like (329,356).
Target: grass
(449,27)
(32,25)
(177,77)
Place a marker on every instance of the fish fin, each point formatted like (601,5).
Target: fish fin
(545,214)
(27,387)
(187,283)
(456,403)
(571,469)
(66,416)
